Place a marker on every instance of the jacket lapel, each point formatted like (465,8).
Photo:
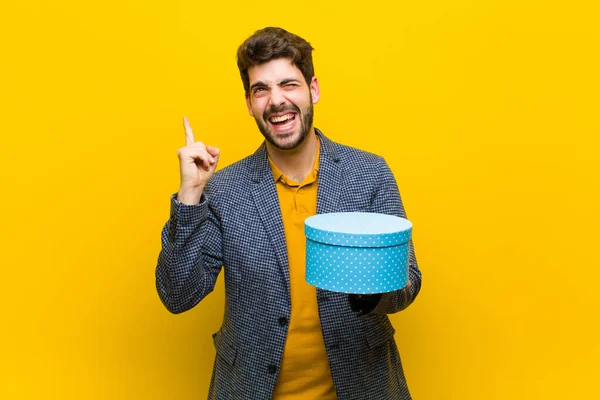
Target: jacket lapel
(330,177)
(330,186)
(266,201)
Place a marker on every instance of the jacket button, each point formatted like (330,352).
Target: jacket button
(283,321)
(272,369)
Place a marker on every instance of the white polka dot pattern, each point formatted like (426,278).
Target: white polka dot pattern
(361,253)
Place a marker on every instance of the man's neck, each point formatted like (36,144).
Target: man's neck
(296,163)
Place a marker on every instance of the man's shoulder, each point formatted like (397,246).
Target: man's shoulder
(229,183)
(355,152)
(354,156)
(234,173)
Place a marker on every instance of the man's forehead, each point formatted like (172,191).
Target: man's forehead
(274,71)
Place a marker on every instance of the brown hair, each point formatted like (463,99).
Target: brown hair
(272,43)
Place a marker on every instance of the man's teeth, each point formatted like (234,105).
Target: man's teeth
(282,118)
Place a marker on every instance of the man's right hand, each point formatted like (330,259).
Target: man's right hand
(197,163)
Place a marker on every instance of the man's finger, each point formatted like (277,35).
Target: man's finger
(213,151)
(199,156)
(189,134)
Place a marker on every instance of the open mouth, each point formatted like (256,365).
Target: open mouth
(284,122)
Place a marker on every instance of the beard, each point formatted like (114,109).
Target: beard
(306,123)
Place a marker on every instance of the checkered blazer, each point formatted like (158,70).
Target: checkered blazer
(237,226)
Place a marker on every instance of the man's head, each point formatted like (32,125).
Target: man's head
(278,76)
(272,43)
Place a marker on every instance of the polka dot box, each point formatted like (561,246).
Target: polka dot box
(357,252)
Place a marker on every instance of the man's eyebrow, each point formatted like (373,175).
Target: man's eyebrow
(281,83)
(288,80)
(257,84)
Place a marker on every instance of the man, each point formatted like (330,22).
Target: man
(282,338)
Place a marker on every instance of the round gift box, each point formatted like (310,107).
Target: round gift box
(356,252)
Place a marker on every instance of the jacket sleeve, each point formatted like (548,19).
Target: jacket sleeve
(191,257)
(386,200)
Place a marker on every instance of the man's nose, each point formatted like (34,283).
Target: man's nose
(277,98)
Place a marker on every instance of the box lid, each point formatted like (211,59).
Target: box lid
(358,229)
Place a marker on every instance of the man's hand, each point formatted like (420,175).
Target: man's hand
(197,163)
(363,304)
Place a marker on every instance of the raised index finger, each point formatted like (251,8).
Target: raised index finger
(189,134)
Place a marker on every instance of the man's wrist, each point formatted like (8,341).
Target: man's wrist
(190,196)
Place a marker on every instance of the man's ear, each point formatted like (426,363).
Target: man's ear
(314,90)
(249,105)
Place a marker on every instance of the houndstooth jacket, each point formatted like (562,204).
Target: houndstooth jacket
(237,226)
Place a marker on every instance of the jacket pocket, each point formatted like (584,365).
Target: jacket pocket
(225,349)
(379,330)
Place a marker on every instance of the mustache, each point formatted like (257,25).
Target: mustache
(275,110)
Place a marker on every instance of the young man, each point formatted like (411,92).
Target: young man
(282,338)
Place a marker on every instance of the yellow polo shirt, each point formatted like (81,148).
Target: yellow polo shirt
(304,372)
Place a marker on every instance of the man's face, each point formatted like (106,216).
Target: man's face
(281,102)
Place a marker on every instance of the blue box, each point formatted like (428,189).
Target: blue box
(356,252)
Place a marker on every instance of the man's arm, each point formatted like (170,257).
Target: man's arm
(386,200)
(190,259)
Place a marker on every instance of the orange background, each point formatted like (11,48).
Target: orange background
(487,113)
